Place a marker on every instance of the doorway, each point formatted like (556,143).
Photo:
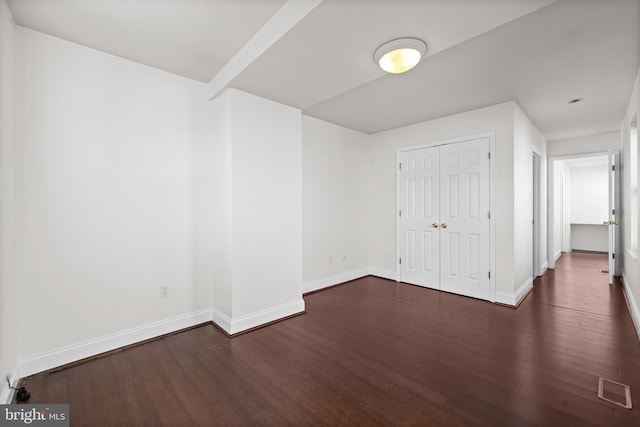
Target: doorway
(582,206)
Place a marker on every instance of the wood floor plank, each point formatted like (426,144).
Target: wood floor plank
(376,352)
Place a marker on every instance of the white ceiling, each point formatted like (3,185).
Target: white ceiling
(540,53)
(192,38)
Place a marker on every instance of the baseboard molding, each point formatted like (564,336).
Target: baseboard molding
(557,256)
(221,320)
(544,268)
(334,280)
(385,274)
(6,395)
(236,325)
(72,353)
(633,305)
(514,299)
(346,277)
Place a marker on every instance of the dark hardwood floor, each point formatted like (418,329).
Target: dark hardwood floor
(374,352)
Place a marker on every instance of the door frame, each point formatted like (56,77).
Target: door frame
(615,213)
(537,184)
(492,199)
(551,181)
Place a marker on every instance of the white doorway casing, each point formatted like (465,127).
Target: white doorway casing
(568,210)
(537,270)
(614,214)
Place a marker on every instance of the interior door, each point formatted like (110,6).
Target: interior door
(464,218)
(418,222)
(614,214)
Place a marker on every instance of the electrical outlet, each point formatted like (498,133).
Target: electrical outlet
(344,258)
(330,259)
(164,291)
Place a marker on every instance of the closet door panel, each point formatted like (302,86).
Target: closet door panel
(464,218)
(418,208)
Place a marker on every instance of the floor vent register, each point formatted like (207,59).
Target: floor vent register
(614,392)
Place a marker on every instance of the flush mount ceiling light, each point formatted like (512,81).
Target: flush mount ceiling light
(400,55)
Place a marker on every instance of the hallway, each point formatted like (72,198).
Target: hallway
(376,352)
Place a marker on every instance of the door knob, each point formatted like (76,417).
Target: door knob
(434,225)
(443,225)
(605,222)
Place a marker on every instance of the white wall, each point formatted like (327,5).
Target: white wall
(105,183)
(204,209)
(630,262)
(218,163)
(589,194)
(256,187)
(8,291)
(526,137)
(590,237)
(267,204)
(382,210)
(584,144)
(335,185)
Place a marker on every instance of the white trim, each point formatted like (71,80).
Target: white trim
(492,220)
(633,305)
(334,280)
(524,289)
(61,356)
(551,199)
(579,156)
(505,298)
(221,319)
(258,318)
(491,135)
(544,268)
(515,298)
(385,274)
(537,201)
(6,395)
(557,256)
(536,151)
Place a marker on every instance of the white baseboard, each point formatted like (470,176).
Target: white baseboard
(544,268)
(61,356)
(515,298)
(633,305)
(346,277)
(557,256)
(6,395)
(221,319)
(385,274)
(334,280)
(252,320)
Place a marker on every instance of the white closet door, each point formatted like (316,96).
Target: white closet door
(418,223)
(464,220)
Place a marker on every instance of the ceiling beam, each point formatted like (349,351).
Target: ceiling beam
(276,27)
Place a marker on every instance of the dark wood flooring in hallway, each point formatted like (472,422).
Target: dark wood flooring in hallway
(375,352)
